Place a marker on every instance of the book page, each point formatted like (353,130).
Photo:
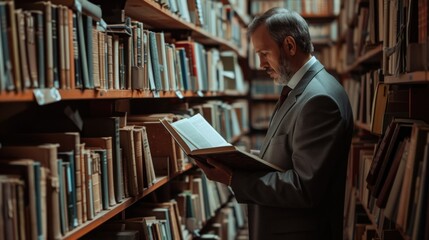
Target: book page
(199,132)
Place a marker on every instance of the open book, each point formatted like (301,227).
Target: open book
(201,141)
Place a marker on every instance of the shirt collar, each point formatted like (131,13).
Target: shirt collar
(300,73)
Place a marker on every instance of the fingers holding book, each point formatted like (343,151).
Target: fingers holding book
(216,171)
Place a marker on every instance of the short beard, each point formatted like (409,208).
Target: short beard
(285,71)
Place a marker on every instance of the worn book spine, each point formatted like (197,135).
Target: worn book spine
(127,145)
(24,68)
(83,51)
(31,48)
(7,59)
(78,82)
(104,178)
(13,44)
(87,27)
(55,46)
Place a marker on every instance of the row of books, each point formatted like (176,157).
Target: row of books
(375,103)
(405,37)
(304,7)
(200,202)
(45,45)
(263,87)
(213,16)
(59,46)
(391,177)
(328,55)
(362,98)
(261,113)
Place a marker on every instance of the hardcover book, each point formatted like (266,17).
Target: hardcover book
(201,141)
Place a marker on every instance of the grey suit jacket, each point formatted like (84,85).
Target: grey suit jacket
(309,136)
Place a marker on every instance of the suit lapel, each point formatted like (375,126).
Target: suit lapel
(289,102)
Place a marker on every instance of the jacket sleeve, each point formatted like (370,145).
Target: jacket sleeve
(319,133)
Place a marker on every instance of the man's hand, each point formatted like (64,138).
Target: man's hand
(216,171)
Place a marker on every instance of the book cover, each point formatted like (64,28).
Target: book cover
(199,140)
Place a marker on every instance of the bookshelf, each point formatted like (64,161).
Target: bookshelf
(397,65)
(108,214)
(92,100)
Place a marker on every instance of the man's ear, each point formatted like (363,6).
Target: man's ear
(289,44)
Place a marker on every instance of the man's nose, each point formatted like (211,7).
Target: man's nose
(263,63)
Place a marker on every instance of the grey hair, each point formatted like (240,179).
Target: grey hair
(281,23)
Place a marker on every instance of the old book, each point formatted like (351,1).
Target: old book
(415,156)
(378,108)
(88,39)
(25,74)
(77,76)
(150,175)
(104,143)
(12,187)
(48,39)
(128,150)
(96,181)
(62,198)
(47,156)
(88,185)
(200,141)
(13,44)
(83,51)
(108,127)
(31,48)
(157,68)
(138,151)
(55,44)
(401,131)
(26,170)
(104,177)
(161,145)
(40,46)
(68,142)
(68,161)
(7,82)
(386,186)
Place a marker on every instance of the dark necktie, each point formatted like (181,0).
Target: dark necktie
(282,98)
(285,92)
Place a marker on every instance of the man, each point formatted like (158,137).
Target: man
(309,136)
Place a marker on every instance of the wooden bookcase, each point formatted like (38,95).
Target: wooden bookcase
(404,84)
(155,17)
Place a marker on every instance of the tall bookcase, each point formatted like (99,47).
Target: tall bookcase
(22,103)
(383,63)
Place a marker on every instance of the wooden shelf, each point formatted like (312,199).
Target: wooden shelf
(322,42)
(408,78)
(90,94)
(266,97)
(26,96)
(156,16)
(108,214)
(370,57)
(319,19)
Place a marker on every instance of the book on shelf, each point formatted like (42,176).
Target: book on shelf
(46,154)
(199,140)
